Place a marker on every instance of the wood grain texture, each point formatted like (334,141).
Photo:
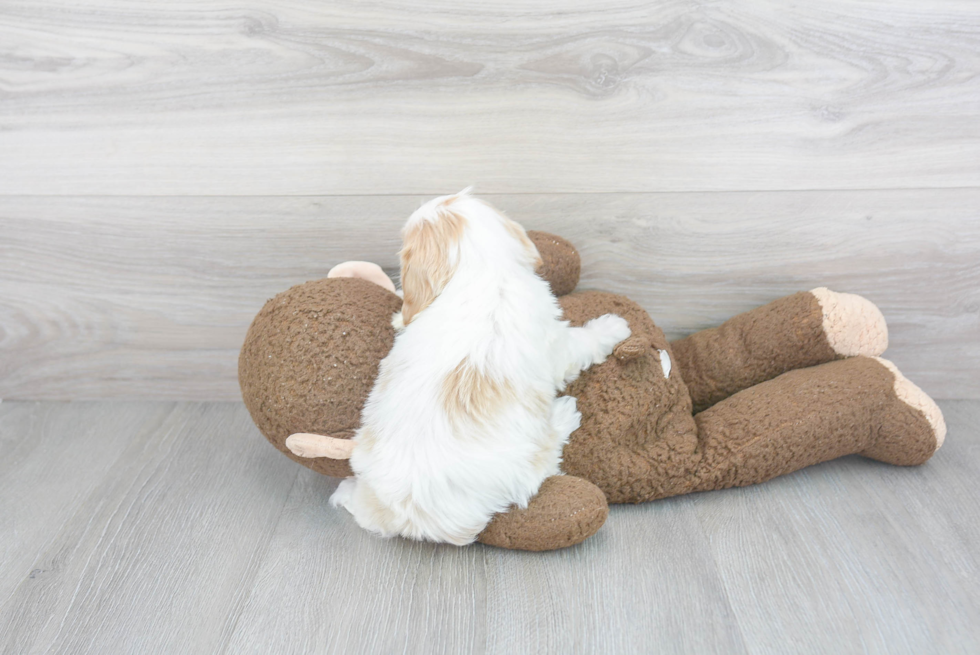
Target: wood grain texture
(328,588)
(665,580)
(53,457)
(165,528)
(151,297)
(170,536)
(871,554)
(275,98)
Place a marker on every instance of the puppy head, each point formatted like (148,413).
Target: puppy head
(430,252)
(499,235)
(452,231)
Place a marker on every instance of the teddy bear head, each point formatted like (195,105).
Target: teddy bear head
(310,359)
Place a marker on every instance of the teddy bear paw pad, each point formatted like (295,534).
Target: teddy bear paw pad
(853,325)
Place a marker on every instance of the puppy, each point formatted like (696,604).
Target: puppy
(464,420)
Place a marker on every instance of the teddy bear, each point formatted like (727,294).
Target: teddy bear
(793,383)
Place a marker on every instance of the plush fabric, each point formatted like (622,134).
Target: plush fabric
(753,347)
(310,358)
(760,396)
(637,429)
(561,264)
(566,511)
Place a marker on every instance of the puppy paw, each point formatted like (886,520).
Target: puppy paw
(565,417)
(610,330)
(398,321)
(344,493)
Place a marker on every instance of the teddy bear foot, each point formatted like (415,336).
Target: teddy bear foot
(913,428)
(566,511)
(853,325)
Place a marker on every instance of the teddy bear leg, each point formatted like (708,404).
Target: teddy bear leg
(860,405)
(798,331)
(566,511)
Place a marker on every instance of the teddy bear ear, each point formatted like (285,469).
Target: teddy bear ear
(366,271)
(561,264)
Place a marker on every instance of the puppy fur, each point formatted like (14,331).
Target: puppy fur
(464,419)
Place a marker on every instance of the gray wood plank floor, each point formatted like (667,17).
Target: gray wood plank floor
(156,527)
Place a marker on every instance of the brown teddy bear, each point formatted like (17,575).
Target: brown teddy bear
(778,388)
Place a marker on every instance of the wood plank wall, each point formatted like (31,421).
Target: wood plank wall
(164,169)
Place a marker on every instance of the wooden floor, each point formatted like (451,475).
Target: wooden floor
(160,527)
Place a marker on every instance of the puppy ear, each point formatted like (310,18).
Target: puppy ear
(429,254)
(517,231)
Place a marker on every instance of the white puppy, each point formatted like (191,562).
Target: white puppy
(463,421)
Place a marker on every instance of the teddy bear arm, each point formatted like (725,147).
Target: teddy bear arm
(753,347)
(560,262)
(334,446)
(565,511)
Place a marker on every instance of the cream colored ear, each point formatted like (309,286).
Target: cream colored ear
(364,270)
(519,233)
(304,444)
(428,259)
